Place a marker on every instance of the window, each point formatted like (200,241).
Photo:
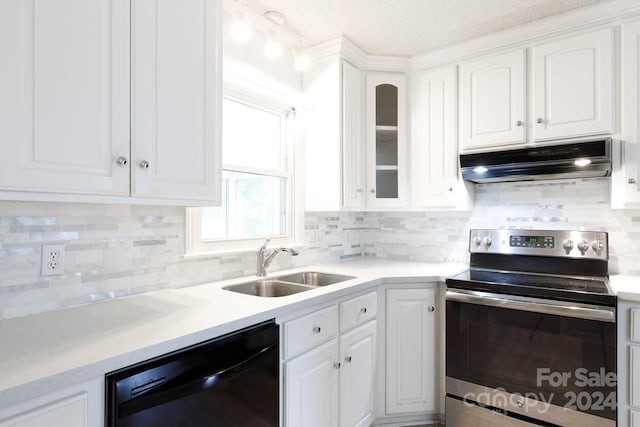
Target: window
(256,182)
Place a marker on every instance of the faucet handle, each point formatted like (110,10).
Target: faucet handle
(264,246)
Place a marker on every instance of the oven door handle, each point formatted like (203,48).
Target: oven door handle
(537,305)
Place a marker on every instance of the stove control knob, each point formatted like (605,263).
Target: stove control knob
(597,245)
(487,241)
(583,247)
(567,245)
(477,240)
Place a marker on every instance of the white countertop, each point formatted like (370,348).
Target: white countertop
(43,353)
(627,287)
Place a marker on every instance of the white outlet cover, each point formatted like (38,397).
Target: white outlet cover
(52,260)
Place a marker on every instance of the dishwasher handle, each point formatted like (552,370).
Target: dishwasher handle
(185,384)
(536,305)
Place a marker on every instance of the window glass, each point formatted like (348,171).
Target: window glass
(253,205)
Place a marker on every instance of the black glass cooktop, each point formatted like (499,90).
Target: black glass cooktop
(589,290)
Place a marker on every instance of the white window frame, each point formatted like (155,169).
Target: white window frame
(265,98)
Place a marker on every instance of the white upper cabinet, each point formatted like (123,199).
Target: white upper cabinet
(492,101)
(111,98)
(64,109)
(571,91)
(175,99)
(386,124)
(436,182)
(332,157)
(625,183)
(573,86)
(353,158)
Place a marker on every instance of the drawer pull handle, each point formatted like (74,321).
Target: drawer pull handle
(363,310)
(317,329)
(431,309)
(337,365)
(347,359)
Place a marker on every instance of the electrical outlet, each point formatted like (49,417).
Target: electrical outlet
(52,260)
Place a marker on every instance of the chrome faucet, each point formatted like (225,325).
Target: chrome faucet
(264,258)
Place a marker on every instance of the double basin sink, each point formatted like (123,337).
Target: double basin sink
(287,285)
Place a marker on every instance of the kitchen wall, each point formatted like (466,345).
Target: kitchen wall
(117,250)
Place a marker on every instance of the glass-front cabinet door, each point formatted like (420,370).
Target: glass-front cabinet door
(386,140)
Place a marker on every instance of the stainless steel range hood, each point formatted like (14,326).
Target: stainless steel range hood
(576,160)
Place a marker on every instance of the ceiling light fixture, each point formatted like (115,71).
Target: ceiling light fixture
(241,31)
(272,48)
(302,62)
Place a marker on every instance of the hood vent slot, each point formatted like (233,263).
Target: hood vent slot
(576,160)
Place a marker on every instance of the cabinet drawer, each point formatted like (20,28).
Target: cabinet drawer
(70,412)
(358,310)
(634,416)
(635,324)
(310,331)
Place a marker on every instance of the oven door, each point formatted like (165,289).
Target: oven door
(531,359)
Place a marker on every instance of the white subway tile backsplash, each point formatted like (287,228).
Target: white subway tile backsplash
(118,250)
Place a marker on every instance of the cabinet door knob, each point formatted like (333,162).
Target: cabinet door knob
(122,161)
(347,359)
(632,181)
(431,309)
(337,365)
(539,120)
(363,310)
(373,190)
(519,123)
(450,189)
(317,329)
(143,164)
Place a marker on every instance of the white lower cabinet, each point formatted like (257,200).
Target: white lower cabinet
(311,388)
(77,406)
(357,355)
(628,363)
(411,382)
(331,383)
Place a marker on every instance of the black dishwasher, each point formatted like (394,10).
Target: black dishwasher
(231,380)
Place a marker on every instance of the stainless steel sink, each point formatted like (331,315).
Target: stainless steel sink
(312,278)
(268,288)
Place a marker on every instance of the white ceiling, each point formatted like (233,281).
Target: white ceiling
(407,27)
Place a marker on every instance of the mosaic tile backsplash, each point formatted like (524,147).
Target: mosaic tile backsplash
(117,250)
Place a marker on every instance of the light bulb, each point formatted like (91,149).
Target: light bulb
(273,49)
(241,31)
(480,169)
(582,162)
(302,62)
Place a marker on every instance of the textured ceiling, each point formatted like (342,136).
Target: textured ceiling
(408,27)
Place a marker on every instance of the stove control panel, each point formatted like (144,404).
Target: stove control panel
(555,243)
(532,241)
